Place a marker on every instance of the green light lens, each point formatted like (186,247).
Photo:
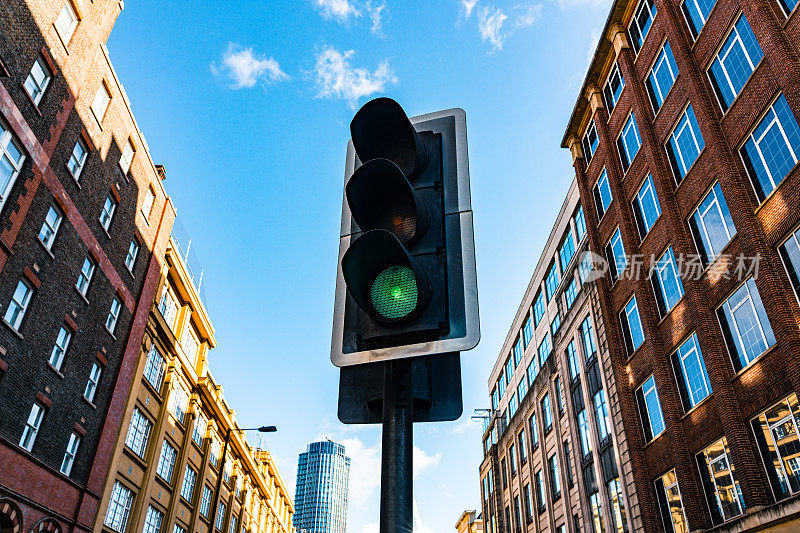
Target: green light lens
(394,292)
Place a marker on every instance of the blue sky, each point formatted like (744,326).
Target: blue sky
(247,104)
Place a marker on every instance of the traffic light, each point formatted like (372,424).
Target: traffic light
(406,283)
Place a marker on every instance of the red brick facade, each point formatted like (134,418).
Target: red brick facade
(761,228)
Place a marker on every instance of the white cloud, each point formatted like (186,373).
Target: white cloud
(594,40)
(492,21)
(466,425)
(530,15)
(467,6)
(377,15)
(583,3)
(245,68)
(422,461)
(365,470)
(340,10)
(372,527)
(337,78)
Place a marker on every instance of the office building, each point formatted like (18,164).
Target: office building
(685,143)
(323,473)
(469,522)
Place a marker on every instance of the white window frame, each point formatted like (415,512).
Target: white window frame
(75,163)
(147,202)
(696,351)
(772,426)
(85,275)
(647,186)
(700,12)
(628,322)
(666,494)
(126,158)
(587,143)
(662,264)
(130,257)
(38,86)
(93,381)
(794,235)
(107,213)
(166,461)
(735,326)
(60,347)
(676,133)
(18,306)
(603,178)
(702,217)
(661,61)
(50,230)
(169,312)
(70,453)
(66,22)
(153,520)
(630,124)
(119,508)
(113,314)
(617,236)
(645,393)
(138,433)
(102,99)
(607,86)
(634,20)
(737,40)
(710,465)
(6,138)
(189,481)
(32,426)
(154,368)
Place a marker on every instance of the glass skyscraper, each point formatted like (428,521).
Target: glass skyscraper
(320,500)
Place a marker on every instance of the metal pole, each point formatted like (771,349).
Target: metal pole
(220,473)
(397,507)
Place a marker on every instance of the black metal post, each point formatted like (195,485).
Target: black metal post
(397,495)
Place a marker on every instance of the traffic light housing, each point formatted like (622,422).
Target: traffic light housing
(406,283)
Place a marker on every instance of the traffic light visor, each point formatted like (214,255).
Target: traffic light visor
(381,129)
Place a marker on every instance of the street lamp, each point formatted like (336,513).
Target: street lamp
(221,473)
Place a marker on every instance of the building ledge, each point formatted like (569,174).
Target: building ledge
(781,517)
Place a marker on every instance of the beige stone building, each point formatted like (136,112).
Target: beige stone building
(165,466)
(469,522)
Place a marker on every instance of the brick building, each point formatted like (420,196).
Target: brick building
(685,143)
(556,457)
(168,457)
(84,225)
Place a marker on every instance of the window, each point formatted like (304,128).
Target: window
(495,399)
(745,326)
(220,515)
(602,194)
(544,349)
(790,252)
(589,346)
(501,384)
(641,22)
(566,250)
(18,305)
(66,22)
(572,292)
(232,528)
(147,203)
(533,369)
(690,369)
(168,307)
(78,159)
(119,507)
(205,501)
(719,481)
(154,368)
(189,478)
(669,503)
(613,88)
(555,477)
(650,409)
(523,451)
(597,512)
(126,158)
(617,506)
(646,208)
(734,63)
(526,492)
(60,347)
(522,389)
(179,529)
(85,276)
(661,77)
(527,331)
(166,462)
(512,461)
(199,432)
(534,431)
(696,13)
(100,102)
(509,369)
(179,403)
(547,415)
(628,142)
(32,426)
(685,144)
(130,258)
(538,308)
(52,221)
(602,415)
(551,282)
(777,437)
(107,214)
(512,406)
(37,81)
(583,428)
(113,314)
(11,159)
(540,491)
(711,225)
(580,223)
(505,475)
(572,360)
(788,6)
(517,352)
(771,151)
(631,326)
(590,141)
(615,255)
(568,464)
(666,282)
(152,521)
(138,433)
(91,383)
(69,455)
(559,395)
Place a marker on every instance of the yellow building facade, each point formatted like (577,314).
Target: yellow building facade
(469,522)
(166,463)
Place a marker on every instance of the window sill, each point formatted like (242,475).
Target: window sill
(83,296)
(663,318)
(92,405)
(697,405)
(73,176)
(775,190)
(104,229)
(46,249)
(751,364)
(54,369)
(110,332)
(13,329)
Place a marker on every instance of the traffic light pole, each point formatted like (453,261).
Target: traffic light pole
(397,503)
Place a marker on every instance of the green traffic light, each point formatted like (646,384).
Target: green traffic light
(394,292)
